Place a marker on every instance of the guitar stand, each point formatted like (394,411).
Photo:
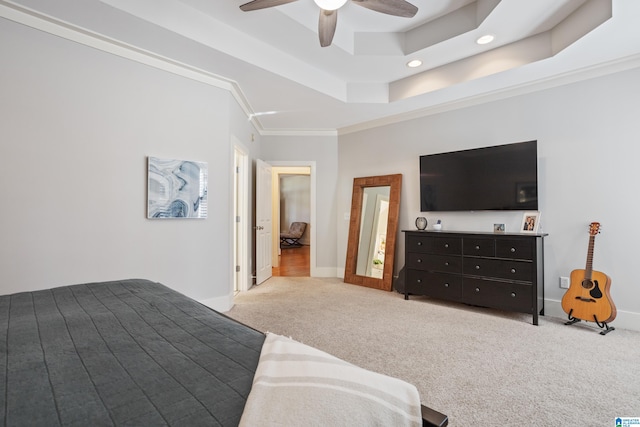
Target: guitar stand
(602,325)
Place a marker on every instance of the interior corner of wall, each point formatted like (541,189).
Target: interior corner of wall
(221,304)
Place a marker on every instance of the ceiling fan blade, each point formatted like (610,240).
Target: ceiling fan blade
(263,4)
(327,26)
(390,7)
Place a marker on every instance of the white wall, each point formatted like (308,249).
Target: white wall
(323,151)
(587,136)
(77,127)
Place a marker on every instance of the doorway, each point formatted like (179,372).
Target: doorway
(294,201)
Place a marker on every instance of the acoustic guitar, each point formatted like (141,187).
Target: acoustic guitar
(588,295)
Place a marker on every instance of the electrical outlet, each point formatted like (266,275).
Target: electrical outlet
(564,282)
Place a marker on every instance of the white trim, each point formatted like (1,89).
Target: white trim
(610,67)
(51,25)
(277,171)
(624,319)
(220,304)
(300,132)
(313,270)
(244,234)
(66,30)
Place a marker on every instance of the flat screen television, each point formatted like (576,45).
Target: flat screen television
(502,177)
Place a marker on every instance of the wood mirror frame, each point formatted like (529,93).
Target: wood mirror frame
(359,184)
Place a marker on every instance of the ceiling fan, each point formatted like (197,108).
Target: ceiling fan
(329,12)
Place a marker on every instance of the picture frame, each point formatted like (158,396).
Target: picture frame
(498,228)
(530,222)
(176,188)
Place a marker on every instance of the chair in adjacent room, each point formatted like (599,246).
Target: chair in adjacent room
(291,238)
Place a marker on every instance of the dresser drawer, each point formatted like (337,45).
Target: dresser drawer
(514,248)
(433,245)
(428,262)
(479,246)
(501,295)
(498,268)
(439,285)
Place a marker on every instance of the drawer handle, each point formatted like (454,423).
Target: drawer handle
(477,267)
(419,260)
(446,285)
(513,270)
(420,244)
(513,250)
(419,280)
(446,263)
(477,289)
(513,294)
(446,245)
(477,247)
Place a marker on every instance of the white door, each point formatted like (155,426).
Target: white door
(240,266)
(263,221)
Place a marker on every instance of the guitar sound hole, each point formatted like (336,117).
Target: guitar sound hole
(587,284)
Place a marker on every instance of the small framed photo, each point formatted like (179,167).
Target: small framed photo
(530,222)
(498,228)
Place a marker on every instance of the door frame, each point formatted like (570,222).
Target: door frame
(241,219)
(264,221)
(312,208)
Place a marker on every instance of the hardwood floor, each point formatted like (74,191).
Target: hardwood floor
(293,262)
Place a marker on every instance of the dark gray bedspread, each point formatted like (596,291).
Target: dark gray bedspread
(130,352)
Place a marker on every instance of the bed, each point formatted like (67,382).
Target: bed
(131,352)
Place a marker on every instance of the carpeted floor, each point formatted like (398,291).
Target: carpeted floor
(481,367)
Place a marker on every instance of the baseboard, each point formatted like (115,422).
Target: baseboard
(326,272)
(624,319)
(220,304)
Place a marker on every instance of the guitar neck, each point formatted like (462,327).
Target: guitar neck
(589,267)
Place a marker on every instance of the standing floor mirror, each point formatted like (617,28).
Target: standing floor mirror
(375,206)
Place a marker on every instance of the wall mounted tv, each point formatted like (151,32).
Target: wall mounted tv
(502,177)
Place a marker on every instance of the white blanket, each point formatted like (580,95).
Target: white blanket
(298,385)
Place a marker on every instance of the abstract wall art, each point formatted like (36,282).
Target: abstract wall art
(176,189)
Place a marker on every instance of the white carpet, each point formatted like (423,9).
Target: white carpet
(481,367)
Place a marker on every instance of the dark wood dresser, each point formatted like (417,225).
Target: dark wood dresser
(497,270)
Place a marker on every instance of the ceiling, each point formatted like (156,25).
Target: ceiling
(291,85)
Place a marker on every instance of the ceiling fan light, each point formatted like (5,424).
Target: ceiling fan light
(330,4)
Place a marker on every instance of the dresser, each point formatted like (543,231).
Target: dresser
(503,271)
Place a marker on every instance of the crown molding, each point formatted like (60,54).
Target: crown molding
(68,31)
(574,76)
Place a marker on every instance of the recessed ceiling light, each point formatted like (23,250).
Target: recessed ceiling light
(414,63)
(487,38)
